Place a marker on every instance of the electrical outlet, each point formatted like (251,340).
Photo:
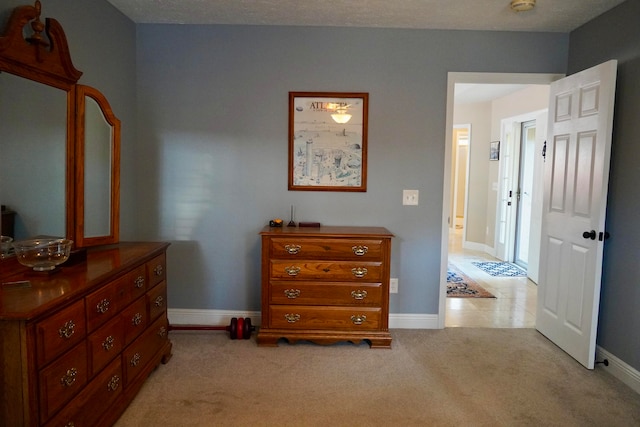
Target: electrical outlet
(393,285)
(410,197)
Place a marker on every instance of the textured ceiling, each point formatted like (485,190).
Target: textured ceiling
(548,15)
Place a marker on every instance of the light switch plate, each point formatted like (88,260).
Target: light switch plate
(410,197)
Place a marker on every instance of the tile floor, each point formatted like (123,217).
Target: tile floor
(515,302)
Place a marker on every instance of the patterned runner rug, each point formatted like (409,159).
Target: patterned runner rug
(459,285)
(502,269)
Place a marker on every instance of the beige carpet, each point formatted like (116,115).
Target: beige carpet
(450,377)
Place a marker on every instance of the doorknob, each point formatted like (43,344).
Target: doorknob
(589,234)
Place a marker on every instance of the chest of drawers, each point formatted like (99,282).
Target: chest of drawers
(325,285)
(77,345)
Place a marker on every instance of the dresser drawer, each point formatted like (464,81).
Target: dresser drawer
(338,249)
(157,301)
(105,344)
(156,270)
(106,302)
(334,271)
(335,318)
(134,320)
(329,293)
(62,380)
(86,409)
(135,283)
(137,355)
(60,332)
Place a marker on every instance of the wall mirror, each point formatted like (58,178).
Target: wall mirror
(61,138)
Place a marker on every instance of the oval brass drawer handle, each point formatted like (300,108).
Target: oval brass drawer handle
(359,272)
(292,249)
(292,270)
(159,301)
(359,294)
(136,320)
(67,330)
(103,306)
(138,282)
(292,293)
(162,332)
(358,319)
(135,360)
(69,378)
(113,384)
(158,270)
(292,318)
(359,250)
(108,343)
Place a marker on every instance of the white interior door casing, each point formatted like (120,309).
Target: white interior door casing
(576,176)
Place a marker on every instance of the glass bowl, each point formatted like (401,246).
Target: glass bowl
(42,254)
(5,246)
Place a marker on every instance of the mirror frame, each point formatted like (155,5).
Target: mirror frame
(49,62)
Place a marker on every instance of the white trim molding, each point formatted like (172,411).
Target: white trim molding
(181,316)
(619,369)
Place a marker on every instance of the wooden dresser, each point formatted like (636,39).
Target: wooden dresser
(77,345)
(325,284)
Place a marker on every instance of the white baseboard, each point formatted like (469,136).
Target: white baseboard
(180,316)
(619,369)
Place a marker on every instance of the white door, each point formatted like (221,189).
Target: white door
(576,176)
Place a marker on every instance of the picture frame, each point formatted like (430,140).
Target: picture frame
(494,150)
(328,141)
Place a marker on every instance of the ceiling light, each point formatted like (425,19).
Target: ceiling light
(522,5)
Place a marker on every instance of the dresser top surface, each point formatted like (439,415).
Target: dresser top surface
(25,295)
(328,231)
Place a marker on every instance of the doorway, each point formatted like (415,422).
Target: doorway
(471,246)
(524,194)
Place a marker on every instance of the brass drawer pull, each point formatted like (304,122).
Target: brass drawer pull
(158,270)
(292,249)
(108,343)
(114,383)
(359,294)
(139,282)
(292,293)
(358,319)
(103,306)
(135,360)
(69,378)
(292,318)
(67,330)
(359,250)
(359,272)
(162,332)
(136,319)
(159,302)
(292,271)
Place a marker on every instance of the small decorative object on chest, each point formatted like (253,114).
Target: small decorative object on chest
(325,284)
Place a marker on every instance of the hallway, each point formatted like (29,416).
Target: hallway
(515,302)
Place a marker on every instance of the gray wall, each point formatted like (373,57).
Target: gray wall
(213,142)
(616,35)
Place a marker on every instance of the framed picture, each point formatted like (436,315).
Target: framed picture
(494,150)
(328,141)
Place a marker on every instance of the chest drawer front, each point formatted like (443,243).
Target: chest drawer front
(105,344)
(330,293)
(336,318)
(330,270)
(62,380)
(60,332)
(137,355)
(317,248)
(157,301)
(106,302)
(134,320)
(86,409)
(156,270)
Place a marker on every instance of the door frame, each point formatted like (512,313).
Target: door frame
(454,78)
(455,171)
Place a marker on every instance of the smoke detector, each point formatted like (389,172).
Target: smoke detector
(522,5)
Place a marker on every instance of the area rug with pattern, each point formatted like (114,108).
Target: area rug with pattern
(459,285)
(500,269)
